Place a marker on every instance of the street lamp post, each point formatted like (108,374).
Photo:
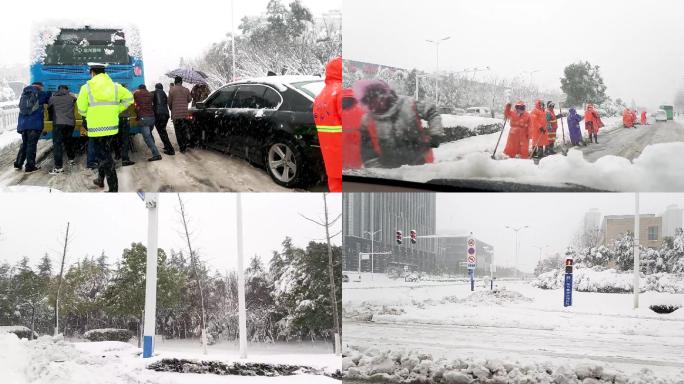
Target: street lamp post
(372,254)
(436,43)
(636,250)
(517,246)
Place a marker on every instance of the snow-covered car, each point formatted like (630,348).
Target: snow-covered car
(661,115)
(458,111)
(345,278)
(268,121)
(479,111)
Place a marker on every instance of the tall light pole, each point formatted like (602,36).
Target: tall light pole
(151,203)
(437,43)
(636,250)
(372,252)
(517,246)
(242,311)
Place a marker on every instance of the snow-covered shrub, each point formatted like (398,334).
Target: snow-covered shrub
(548,280)
(108,334)
(19,330)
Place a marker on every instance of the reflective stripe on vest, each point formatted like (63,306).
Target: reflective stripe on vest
(329,128)
(103,129)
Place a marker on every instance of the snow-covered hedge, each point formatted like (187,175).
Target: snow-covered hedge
(374,365)
(19,330)
(597,279)
(108,334)
(458,127)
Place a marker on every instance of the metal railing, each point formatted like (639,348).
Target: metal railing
(8,117)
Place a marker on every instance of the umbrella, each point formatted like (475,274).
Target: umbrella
(189,75)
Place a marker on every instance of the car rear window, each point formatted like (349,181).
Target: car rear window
(311,88)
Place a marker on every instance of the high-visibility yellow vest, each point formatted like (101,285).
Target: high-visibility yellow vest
(100,101)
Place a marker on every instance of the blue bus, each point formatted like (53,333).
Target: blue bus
(64,61)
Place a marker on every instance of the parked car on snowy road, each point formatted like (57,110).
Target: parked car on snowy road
(268,121)
(479,111)
(661,115)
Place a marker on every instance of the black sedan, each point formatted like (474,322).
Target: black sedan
(268,121)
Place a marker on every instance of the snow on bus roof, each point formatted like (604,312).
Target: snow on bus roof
(279,81)
(46,33)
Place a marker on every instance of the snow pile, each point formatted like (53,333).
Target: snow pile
(18,330)
(656,169)
(365,311)
(232,369)
(398,366)
(46,33)
(13,358)
(494,297)
(601,280)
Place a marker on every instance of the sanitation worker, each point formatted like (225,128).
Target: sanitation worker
(518,141)
(538,133)
(592,123)
(100,101)
(327,110)
(643,118)
(628,118)
(352,114)
(551,126)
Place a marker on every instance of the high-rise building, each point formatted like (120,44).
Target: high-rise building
(672,220)
(385,213)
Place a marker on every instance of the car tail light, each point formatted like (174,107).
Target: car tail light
(137,70)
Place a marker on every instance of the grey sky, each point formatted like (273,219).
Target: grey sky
(553,218)
(34,223)
(169,29)
(637,43)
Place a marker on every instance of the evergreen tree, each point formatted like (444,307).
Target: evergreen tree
(582,83)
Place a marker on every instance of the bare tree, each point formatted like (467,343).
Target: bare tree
(331,268)
(194,261)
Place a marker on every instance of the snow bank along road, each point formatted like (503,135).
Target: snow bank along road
(54,361)
(197,170)
(449,322)
(630,142)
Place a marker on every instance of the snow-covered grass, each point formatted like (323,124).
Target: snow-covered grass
(610,280)
(55,361)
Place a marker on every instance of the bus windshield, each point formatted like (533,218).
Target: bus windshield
(80,46)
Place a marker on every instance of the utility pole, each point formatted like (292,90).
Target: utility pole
(151,203)
(636,250)
(232,35)
(59,282)
(517,247)
(436,43)
(241,281)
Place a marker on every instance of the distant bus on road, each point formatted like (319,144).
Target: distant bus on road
(669,110)
(61,58)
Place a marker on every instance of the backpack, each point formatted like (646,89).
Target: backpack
(29,101)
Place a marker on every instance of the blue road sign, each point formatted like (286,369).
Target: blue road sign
(567,299)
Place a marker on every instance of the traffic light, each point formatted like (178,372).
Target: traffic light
(568,265)
(400,237)
(413,236)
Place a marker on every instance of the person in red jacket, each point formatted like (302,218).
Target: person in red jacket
(643,118)
(352,114)
(592,123)
(518,141)
(628,118)
(538,133)
(327,115)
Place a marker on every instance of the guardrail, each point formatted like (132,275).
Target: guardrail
(8,117)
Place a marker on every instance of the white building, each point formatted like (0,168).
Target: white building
(672,219)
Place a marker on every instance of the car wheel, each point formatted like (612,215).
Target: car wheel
(284,163)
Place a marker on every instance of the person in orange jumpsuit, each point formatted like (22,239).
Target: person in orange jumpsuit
(538,133)
(518,141)
(643,118)
(327,109)
(352,114)
(552,126)
(592,123)
(628,118)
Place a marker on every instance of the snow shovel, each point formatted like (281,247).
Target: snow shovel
(501,134)
(564,149)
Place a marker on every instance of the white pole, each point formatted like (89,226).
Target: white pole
(372,236)
(232,35)
(241,281)
(636,250)
(152,203)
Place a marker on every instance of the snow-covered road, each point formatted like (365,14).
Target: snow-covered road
(447,321)
(198,170)
(630,142)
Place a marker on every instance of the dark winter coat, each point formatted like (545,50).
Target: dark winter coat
(62,104)
(199,93)
(143,103)
(397,137)
(160,102)
(574,126)
(179,98)
(33,121)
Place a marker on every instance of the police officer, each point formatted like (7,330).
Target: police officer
(100,101)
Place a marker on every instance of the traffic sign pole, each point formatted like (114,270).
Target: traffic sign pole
(471,259)
(567,288)
(151,202)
